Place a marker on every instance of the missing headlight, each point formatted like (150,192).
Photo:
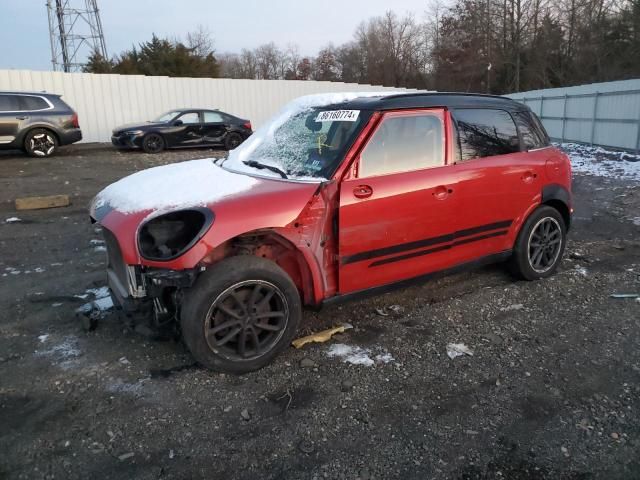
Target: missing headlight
(170,235)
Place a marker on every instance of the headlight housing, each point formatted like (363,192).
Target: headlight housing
(170,235)
(133,133)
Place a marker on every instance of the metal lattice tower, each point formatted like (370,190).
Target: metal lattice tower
(75,33)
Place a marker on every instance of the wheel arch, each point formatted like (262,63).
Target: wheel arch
(36,126)
(272,245)
(558,197)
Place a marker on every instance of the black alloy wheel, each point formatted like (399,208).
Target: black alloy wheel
(246,320)
(538,249)
(240,314)
(40,143)
(153,143)
(544,244)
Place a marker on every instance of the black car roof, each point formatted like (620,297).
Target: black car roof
(431,99)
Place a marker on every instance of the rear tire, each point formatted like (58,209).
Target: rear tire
(540,244)
(153,143)
(232,140)
(240,314)
(40,142)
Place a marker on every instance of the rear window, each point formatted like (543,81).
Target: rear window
(9,103)
(28,102)
(485,133)
(531,132)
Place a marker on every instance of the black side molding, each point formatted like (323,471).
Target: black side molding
(556,192)
(480,262)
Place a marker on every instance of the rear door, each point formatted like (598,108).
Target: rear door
(397,212)
(10,118)
(498,183)
(186,131)
(213,128)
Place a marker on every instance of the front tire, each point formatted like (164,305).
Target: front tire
(240,314)
(40,142)
(153,143)
(540,244)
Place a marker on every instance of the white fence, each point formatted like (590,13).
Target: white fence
(606,114)
(106,101)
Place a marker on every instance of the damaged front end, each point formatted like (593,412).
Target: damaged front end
(144,274)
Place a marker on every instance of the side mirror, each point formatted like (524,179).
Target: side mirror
(178,122)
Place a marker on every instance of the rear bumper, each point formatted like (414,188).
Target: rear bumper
(70,136)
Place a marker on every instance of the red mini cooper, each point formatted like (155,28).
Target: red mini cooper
(339,195)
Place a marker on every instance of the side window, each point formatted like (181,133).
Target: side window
(404,143)
(485,133)
(28,102)
(532,138)
(9,103)
(190,118)
(213,117)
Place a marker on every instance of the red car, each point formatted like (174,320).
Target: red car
(339,195)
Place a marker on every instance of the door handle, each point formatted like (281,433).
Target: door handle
(362,191)
(442,192)
(21,118)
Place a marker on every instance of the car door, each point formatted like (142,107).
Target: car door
(185,131)
(397,211)
(10,118)
(214,128)
(497,183)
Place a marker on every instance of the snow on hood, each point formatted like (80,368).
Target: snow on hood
(174,186)
(265,134)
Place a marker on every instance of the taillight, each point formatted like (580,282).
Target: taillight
(74,120)
(247,125)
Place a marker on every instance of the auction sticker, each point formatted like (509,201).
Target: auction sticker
(338,116)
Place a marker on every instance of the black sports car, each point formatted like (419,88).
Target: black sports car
(184,128)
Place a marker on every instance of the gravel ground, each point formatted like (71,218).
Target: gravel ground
(552,390)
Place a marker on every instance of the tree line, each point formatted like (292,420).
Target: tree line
(493,46)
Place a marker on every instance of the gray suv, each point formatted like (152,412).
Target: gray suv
(36,123)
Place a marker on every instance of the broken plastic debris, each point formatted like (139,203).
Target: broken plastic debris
(625,295)
(12,220)
(322,336)
(457,350)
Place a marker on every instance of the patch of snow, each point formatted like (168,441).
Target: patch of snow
(264,138)
(39,270)
(178,185)
(56,264)
(119,386)
(65,350)
(601,162)
(102,300)
(103,304)
(56,305)
(95,241)
(13,220)
(582,271)
(636,221)
(357,355)
(100,248)
(511,308)
(457,350)
(43,338)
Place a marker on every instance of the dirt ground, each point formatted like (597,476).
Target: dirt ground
(552,390)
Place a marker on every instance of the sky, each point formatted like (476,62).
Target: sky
(24,30)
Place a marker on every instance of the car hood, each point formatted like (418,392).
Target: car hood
(240,203)
(137,126)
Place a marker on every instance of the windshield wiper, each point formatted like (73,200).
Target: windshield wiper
(258,165)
